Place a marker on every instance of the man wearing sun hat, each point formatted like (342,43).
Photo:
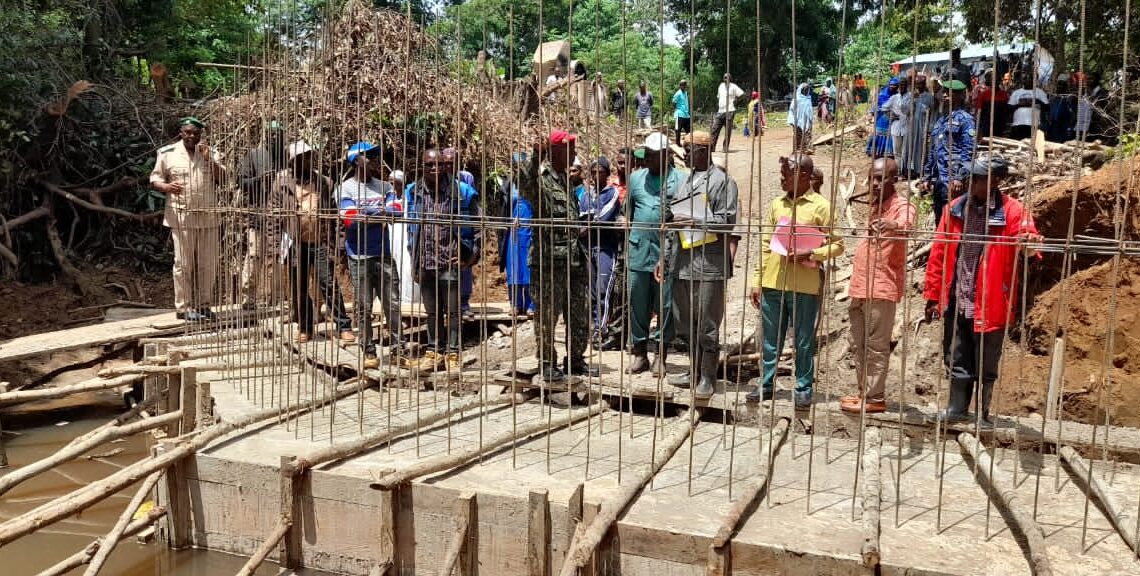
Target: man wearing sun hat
(188,173)
(951,147)
(650,191)
(558,262)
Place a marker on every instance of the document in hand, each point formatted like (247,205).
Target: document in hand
(805,237)
(695,208)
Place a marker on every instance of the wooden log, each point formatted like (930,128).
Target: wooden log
(1056,369)
(87,496)
(76,449)
(538,534)
(149,370)
(872,495)
(828,138)
(21,396)
(462,457)
(3,449)
(117,531)
(458,553)
(1004,495)
(1110,499)
(265,549)
(589,536)
(84,556)
(718,546)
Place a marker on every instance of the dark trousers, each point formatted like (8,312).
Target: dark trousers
(682,126)
(970,356)
(646,298)
(374,277)
(440,293)
(938,201)
(314,258)
(602,287)
(719,123)
(563,292)
(699,307)
(1020,132)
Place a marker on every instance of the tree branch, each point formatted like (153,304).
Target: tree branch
(95,207)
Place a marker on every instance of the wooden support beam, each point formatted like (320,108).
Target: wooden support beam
(719,547)
(462,552)
(188,399)
(290,553)
(1110,498)
(266,548)
(872,495)
(389,516)
(3,450)
(87,553)
(538,534)
(1004,495)
(117,531)
(21,396)
(491,444)
(174,495)
(589,536)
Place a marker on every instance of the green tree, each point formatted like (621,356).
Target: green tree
(890,36)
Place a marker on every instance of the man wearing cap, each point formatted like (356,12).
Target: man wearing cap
(303,196)
(188,173)
(257,171)
(600,206)
(682,120)
(973,285)
(365,201)
(726,96)
(786,287)
(698,255)
(558,264)
(951,147)
(650,192)
(878,282)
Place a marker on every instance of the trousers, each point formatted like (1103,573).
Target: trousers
(439,290)
(314,259)
(720,122)
(371,278)
(602,287)
(777,308)
(259,269)
(699,309)
(195,267)
(647,297)
(562,292)
(872,321)
(971,356)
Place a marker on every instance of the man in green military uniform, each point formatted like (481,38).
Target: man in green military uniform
(557,260)
(649,189)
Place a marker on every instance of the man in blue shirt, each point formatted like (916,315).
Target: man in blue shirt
(951,148)
(364,199)
(682,121)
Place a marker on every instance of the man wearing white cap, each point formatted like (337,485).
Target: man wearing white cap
(650,191)
(302,195)
(365,200)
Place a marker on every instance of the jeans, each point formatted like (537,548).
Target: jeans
(722,120)
(439,290)
(777,308)
(374,277)
(646,296)
(314,258)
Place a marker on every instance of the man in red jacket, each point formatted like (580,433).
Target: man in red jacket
(971,281)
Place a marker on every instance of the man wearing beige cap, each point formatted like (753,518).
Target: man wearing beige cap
(698,256)
(188,173)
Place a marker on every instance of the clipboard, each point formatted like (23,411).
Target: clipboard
(695,208)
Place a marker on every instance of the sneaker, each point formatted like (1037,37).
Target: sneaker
(431,361)
(347,337)
(453,362)
(371,362)
(802,400)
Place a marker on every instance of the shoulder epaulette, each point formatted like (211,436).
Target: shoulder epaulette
(165,149)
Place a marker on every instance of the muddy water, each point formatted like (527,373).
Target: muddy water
(31,554)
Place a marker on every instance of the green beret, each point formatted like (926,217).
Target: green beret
(954,85)
(191,121)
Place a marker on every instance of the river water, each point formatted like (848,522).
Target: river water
(33,553)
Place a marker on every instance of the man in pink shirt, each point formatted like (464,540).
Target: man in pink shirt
(877,284)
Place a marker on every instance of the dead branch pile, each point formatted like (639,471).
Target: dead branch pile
(1049,161)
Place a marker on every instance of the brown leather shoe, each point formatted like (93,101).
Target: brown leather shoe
(849,399)
(870,407)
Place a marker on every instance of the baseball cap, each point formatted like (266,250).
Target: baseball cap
(359,148)
(656,142)
(954,84)
(986,164)
(297,148)
(561,137)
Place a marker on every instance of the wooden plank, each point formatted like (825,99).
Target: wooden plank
(538,534)
(462,551)
(188,398)
(174,496)
(290,552)
(389,513)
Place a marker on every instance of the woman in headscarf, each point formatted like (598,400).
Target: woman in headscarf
(879,144)
(757,121)
(800,117)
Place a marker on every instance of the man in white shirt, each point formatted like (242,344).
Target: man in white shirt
(727,95)
(1026,102)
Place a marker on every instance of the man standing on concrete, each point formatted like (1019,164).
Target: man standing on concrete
(364,199)
(878,282)
(726,96)
(188,173)
(257,170)
(699,256)
(682,120)
(558,264)
(650,192)
(972,282)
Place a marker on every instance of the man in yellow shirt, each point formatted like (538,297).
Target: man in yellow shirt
(787,287)
(188,173)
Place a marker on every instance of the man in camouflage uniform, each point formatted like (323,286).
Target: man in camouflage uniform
(557,261)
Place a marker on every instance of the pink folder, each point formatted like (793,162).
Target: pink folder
(805,238)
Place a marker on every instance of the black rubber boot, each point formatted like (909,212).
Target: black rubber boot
(958,407)
(638,359)
(985,395)
(706,386)
(658,368)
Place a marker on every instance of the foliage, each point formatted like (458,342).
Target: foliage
(890,36)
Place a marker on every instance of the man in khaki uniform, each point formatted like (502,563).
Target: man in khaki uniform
(188,173)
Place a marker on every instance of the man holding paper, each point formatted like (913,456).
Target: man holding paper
(699,257)
(786,283)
